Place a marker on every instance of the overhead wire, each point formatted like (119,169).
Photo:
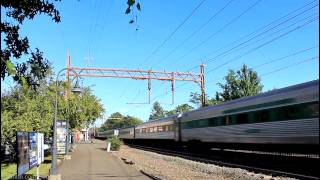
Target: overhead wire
(298,27)
(255,32)
(218,31)
(263,44)
(285,57)
(172,33)
(291,65)
(280,58)
(266,36)
(175,30)
(196,31)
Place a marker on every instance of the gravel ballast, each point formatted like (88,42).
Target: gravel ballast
(170,167)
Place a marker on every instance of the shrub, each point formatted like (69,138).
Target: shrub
(115,143)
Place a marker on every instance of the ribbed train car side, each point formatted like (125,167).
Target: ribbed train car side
(157,132)
(281,119)
(127,134)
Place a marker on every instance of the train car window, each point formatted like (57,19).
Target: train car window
(151,129)
(160,128)
(233,119)
(155,129)
(242,118)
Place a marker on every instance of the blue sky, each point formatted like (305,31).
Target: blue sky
(101,28)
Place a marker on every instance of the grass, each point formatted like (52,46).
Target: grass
(10,169)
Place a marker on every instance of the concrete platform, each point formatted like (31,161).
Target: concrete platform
(91,161)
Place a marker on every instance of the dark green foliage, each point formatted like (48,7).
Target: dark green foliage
(244,82)
(157,111)
(34,69)
(23,109)
(115,143)
(130,4)
(117,120)
(180,109)
(195,98)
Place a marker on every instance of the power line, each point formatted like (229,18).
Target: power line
(220,30)
(291,65)
(285,57)
(281,58)
(254,49)
(196,31)
(298,27)
(239,48)
(256,31)
(177,28)
(261,45)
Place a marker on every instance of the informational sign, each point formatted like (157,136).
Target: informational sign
(22,152)
(33,149)
(61,137)
(40,148)
(30,151)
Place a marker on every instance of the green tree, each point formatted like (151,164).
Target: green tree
(244,82)
(24,109)
(34,69)
(241,83)
(157,111)
(180,109)
(195,98)
(117,120)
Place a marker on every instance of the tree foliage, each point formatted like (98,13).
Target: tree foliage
(195,98)
(241,83)
(130,7)
(157,111)
(180,109)
(24,109)
(244,82)
(117,120)
(34,69)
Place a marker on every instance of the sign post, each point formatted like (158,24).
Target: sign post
(30,151)
(61,137)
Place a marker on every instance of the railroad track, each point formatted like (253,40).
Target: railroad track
(224,161)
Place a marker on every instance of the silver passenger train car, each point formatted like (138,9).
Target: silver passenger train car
(158,129)
(108,133)
(285,116)
(127,133)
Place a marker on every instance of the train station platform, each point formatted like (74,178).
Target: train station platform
(92,161)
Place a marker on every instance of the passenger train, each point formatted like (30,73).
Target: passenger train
(285,119)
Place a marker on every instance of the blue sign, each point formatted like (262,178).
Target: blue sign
(33,148)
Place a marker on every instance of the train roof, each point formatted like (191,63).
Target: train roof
(159,120)
(313,83)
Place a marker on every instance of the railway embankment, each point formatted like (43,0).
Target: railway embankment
(170,167)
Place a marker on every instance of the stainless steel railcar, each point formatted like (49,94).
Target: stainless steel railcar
(107,134)
(163,128)
(285,116)
(127,133)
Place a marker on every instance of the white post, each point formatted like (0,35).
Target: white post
(38,172)
(108,147)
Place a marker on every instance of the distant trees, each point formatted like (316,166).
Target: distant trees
(159,112)
(117,120)
(241,83)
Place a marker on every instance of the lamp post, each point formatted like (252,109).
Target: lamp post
(54,171)
(76,90)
